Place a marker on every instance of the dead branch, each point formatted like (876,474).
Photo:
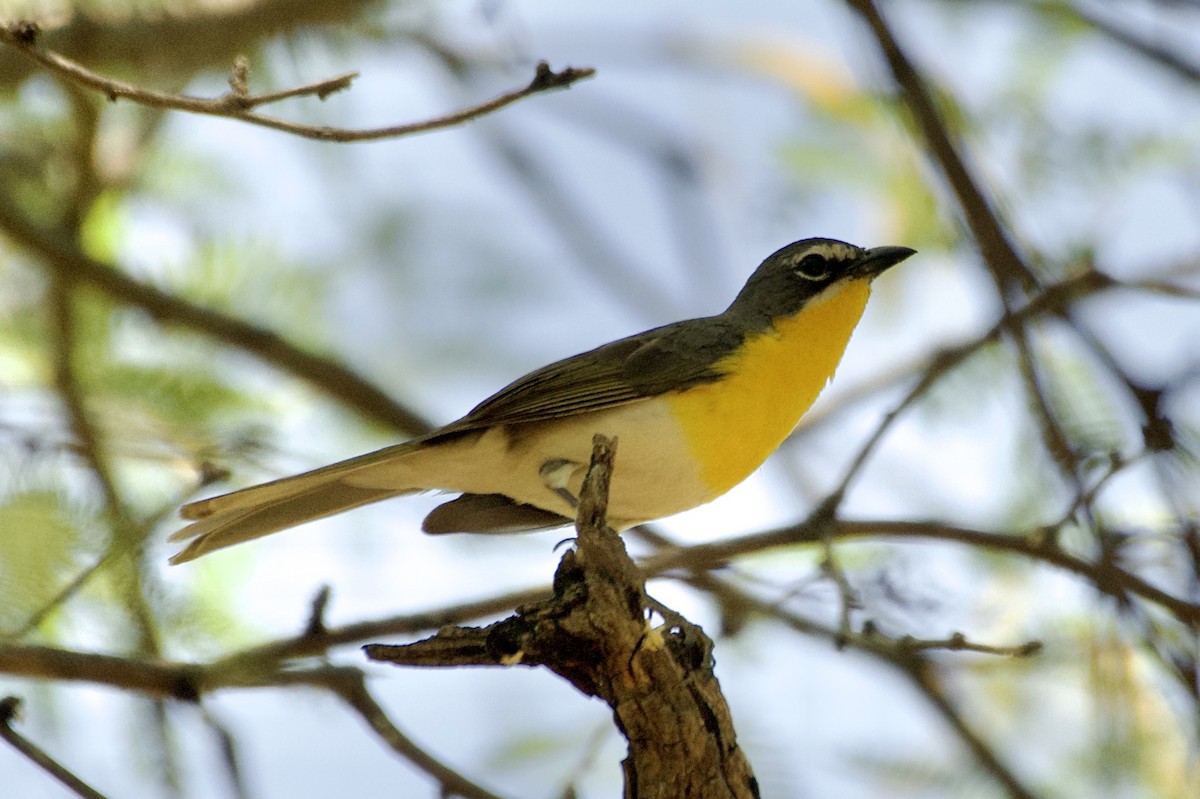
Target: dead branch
(593,632)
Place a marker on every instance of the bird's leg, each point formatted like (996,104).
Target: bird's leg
(556,474)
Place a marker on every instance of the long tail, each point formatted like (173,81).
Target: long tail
(264,509)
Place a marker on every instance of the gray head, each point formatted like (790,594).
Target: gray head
(794,275)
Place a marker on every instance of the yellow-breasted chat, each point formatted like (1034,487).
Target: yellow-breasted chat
(696,405)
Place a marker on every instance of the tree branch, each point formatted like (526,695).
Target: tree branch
(326,374)
(175,47)
(260,664)
(1006,266)
(1051,299)
(1154,51)
(239,104)
(913,664)
(153,678)
(9,706)
(350,686)
(658,682)
(1038,545)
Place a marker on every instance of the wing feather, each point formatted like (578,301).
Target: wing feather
(670,358)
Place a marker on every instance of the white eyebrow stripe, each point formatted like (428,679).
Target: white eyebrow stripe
(829,251)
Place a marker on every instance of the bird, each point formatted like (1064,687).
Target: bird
(696,406)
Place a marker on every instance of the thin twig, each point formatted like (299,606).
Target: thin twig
(349,685)
(57,253)
(266,656)
(615,270)
(9,706)
(1051,299)
(958,642)
(1036,544)
(229,758)
(1007,267)
(1167,289)
(68,590)
(72,586)
(869,636)
(258,665)
(126,532)
(926,678)
(913,664)
(185,681)
(238,104)
(1147,48)
(848,601)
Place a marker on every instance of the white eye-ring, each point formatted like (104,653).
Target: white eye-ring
(812,267)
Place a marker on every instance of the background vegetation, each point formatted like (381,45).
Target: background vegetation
(1006,601)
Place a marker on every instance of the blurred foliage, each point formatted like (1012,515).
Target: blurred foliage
(1109,708)
(39,539)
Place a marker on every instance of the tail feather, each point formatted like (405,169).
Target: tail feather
(228,527)
(264,493)
(253,512)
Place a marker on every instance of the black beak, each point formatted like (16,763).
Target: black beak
(878,260)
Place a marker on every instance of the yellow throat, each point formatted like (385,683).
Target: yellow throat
(773,378)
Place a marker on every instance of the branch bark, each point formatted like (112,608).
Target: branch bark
(593,632)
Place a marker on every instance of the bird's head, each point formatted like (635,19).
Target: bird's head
(801,272)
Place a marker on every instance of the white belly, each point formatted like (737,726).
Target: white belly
(653,475)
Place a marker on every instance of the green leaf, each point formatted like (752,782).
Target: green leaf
(39,538)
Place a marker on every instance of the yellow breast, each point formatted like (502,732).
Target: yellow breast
(734,424)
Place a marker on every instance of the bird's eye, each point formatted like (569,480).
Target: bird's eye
(812,267)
